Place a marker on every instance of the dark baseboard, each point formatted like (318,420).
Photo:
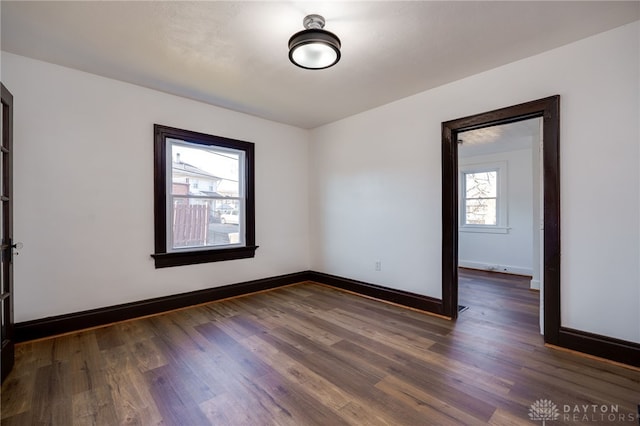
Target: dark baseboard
(50,326)
(601,346)
(405,298)
(581,341)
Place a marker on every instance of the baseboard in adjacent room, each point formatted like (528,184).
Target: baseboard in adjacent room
(494,267)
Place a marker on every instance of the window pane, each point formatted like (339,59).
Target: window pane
(204,171)
(481,184)
(481,212)
(206,222)
(205,183)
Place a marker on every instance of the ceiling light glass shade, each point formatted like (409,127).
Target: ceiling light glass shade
(314,48)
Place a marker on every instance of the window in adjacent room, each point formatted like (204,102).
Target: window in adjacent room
(204,198)
(483,204)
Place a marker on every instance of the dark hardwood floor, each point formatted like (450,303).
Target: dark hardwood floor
(502,299)
(308,354)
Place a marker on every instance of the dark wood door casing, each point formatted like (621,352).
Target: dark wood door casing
(549,110)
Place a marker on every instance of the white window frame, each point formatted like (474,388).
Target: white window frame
(240,200)
(501,226)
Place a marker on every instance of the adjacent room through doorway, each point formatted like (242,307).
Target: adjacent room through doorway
(499,232)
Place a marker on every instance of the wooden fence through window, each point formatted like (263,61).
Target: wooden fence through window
(190,224)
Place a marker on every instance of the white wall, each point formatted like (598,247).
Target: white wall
(83,184)
(376,179)
(511,252)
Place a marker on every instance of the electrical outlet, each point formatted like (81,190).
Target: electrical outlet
(378,265)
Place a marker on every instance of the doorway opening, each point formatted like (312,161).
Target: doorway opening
(548,110)
(499,198)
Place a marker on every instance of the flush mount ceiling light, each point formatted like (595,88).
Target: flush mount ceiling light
(314,48)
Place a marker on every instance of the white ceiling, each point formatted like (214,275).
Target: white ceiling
(234,54)
(501,138)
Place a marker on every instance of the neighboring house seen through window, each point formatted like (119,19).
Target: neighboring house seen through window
(194,224)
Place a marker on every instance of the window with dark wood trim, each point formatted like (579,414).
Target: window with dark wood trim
(204,223)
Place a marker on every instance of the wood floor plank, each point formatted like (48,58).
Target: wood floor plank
(33,355)
(21,419)
(181,373)
(175,407)
(297,372)
(16,392)
(234,409)
(413,344)
(589,367)
(108,337)
(504,418)
(85,363)
(239,357)
(309,354)
(51,398)
(132,401)
(224,309)
(358,414)
(94,407)
(433,408)
(132,331)
(311,332)
(447,388)
(297,402)
(146,354)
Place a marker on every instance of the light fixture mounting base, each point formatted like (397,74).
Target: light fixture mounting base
(313,22)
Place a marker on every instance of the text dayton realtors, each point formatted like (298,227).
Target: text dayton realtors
(596,413)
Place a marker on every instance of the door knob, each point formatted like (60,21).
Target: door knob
(17,246)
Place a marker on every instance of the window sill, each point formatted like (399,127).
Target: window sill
(485,229)
(165,260)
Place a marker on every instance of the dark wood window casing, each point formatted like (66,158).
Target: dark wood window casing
(164,258)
